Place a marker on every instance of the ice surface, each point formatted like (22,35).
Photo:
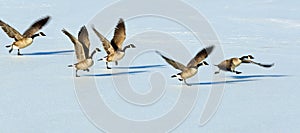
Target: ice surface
(37,90)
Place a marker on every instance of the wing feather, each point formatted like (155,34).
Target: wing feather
(259,64)
(119,35)
(77,45)
(200,56)
(173,63)
(106,44)
(36,26)
(10,31)
(83,38)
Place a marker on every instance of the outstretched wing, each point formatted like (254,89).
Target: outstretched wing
(173,63)
(77,45)
(83,38)
(36,27)
(119,35)
(201,55)
(10,31)
(262,65)
(106,44)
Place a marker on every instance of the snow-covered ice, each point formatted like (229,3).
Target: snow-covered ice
(37,90)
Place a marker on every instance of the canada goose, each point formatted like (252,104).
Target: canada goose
(82,46)
(114,47)
(22,41)
(231,64)
(192,67)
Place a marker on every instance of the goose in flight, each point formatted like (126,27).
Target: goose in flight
(192,67)
(114,49)
(232,63)
(82,45)
(22,41)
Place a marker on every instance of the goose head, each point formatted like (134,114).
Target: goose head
(97,49)
(250,57)
(204,63)
(131,46)
(38,34)
(42,34)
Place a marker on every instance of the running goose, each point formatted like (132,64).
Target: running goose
(114,47)
(82,46)
(231,64)
(22,41)
(192,67)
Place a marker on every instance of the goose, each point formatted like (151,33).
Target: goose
(114,47)
(192,67)
(232,63)
(82,45)
(23,41)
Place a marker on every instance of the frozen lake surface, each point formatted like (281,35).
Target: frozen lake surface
(37,90)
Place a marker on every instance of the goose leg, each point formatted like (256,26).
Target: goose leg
(107,66)
(217,72)
(77,74)
(19,52)
(186,83)
(116,63)
(234,71)
(237,72)
(10,50)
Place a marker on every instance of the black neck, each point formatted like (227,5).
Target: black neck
(244,57)
(35,35)
(128,46)
(198,65)
(94,52)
